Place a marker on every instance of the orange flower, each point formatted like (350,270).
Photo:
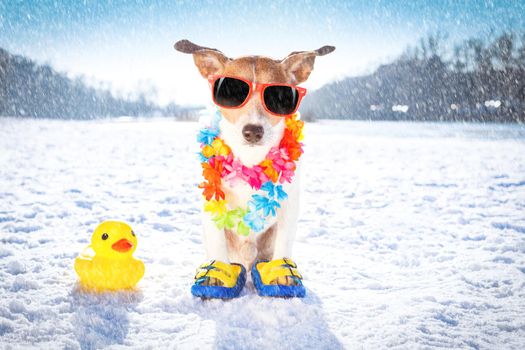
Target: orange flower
(212,189)
(269,170)
(292,146)
(208,151)
(295,126)
(212,172)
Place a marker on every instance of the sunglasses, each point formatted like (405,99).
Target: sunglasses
(234,92)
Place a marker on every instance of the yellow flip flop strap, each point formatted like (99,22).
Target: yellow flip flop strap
(268,266)
(227,281)
(278,268)
(230,269)
(226,273)
(282,272)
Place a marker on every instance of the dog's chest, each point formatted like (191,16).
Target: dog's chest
(239,194)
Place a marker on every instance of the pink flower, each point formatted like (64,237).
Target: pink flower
(234,172)
(226,164)
(286,176)
(255,176)
(282,163)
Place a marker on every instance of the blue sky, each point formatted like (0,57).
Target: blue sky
(129,44)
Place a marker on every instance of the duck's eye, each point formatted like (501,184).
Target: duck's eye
(132,233)
(105,236)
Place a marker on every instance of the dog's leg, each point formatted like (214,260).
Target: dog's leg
(214,240)
(287,217)
(215,245)
(286,228)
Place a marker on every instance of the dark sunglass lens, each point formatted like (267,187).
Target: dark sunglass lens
(281,99)
(230,92)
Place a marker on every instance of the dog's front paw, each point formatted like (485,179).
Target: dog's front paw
(217,279)
(286,281)
(211,281)
(278,278)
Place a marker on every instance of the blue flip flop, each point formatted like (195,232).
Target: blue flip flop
(232,276)
(268,271)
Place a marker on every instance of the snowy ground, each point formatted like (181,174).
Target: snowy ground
(411,236)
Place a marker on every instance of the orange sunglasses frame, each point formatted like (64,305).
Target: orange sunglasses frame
(256,87)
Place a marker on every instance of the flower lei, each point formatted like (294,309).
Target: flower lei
(219,164)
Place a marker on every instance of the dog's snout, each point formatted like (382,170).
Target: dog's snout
(252,133)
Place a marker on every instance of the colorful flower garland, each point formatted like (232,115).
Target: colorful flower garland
(219,163)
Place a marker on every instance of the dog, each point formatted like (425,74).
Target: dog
(251,131)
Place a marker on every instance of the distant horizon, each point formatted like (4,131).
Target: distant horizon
(130,46)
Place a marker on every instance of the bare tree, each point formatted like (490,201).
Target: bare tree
(502,50)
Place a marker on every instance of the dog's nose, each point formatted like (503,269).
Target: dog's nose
(252,133)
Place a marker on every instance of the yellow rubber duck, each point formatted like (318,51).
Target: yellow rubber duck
(107,263)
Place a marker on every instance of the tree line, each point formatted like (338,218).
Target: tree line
(28,89)
(476,79)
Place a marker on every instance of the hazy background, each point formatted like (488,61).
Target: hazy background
(126,47)
(410,234)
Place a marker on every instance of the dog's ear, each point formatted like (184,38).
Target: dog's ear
(209,61)
(299,64)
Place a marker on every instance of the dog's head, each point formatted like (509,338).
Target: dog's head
(252,124)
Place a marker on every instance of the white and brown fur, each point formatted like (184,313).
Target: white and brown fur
(276,240)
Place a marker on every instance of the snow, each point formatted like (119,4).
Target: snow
(412,235)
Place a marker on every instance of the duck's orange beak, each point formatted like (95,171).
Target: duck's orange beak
(122,245)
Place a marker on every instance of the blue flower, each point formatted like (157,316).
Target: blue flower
(265,204)
(269,187)
(281,195)
(274,190)
(253,219)
(202,158)
(207,135)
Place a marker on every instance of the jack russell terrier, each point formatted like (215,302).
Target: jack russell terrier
(250,163)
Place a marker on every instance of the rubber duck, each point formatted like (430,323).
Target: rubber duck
(107,263)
